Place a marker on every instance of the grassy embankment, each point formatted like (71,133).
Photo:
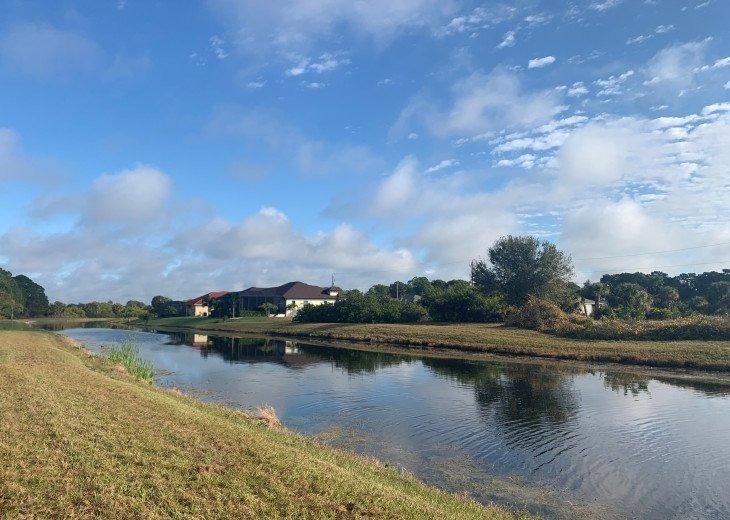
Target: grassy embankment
(80,438)
(478,337)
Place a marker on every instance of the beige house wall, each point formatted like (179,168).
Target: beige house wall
(200,310)
(301,302)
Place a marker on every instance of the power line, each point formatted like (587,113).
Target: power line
(653,252)
(365,272)
(627,270)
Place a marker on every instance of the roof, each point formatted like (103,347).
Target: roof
(200,300)
(292,291)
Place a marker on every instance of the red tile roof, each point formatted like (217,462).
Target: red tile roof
(209,296)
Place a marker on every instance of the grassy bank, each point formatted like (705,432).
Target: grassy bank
(80,438)
(490,338)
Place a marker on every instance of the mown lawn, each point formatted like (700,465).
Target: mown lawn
(80,438)
(479,337)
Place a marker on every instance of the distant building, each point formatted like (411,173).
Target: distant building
(200,306)
(589,306)
(287,298)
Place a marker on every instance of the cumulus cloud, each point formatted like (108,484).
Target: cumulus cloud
(135,195)
(538,63)
(601,154)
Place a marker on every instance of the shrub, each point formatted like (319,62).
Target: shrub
(690,328)
(536,314)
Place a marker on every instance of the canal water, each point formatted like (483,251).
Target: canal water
(560,440)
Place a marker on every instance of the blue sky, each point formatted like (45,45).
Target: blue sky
(177,148)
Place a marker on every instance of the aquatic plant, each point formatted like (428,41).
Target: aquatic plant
(127,354)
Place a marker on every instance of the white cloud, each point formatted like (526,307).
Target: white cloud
(130,196)
(296,24)
(537,63)
(324,63)
(605,5)
(577,89)
(479,18)
(481,103)
(613,85)
(446,163)
(216,44)
(719,64)
(727,85)
(256,84)
(675,65)
(508,40)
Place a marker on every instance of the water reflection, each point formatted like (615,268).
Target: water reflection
(642,446)
(523,395)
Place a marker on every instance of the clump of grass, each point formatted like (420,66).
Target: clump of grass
(127,354)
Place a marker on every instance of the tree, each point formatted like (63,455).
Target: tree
(521,266)
(34,299)
(268,308)
(630,300)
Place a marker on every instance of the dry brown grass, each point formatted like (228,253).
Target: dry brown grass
(481,337)
(79,440)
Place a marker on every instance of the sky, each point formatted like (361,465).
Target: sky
(176,148)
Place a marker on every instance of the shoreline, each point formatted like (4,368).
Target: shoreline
(495,339)
(122,448)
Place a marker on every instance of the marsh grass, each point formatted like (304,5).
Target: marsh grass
(127,354)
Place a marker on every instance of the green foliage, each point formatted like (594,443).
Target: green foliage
(356,307)
(268,308)
(523,266)
(630,301)
(536,314)
(21,297)
(459,301)
(127,354)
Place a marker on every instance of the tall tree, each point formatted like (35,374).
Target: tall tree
(521,266)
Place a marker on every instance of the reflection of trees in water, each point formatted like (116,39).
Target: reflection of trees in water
(290,353)
(625,382)
(519,394)
(518,390)
(355,361)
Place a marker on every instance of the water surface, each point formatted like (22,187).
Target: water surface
(557,439)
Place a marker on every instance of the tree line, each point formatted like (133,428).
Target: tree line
(524,276)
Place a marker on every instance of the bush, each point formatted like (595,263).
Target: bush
(536,314)
(690,328)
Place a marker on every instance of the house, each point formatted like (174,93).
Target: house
(200,306)
(286,298)
(589,306)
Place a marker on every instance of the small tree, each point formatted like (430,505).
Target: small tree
(268,308)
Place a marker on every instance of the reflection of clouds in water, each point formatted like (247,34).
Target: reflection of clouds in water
(641,444)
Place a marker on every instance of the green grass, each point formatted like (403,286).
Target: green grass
(127,354)
(79,439)
(479,337)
